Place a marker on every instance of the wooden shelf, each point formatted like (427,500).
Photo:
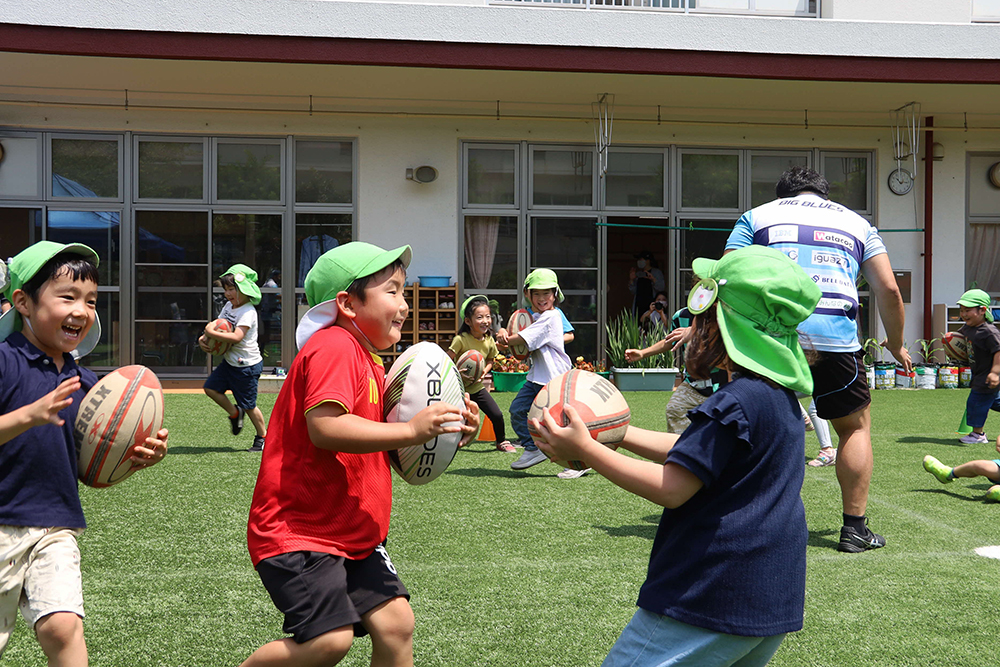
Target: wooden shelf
(427,320)
(944,319)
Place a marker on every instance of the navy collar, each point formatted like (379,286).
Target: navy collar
(18,341)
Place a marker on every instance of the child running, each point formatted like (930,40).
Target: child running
(53,289)
(984,358)
(242,364)
(475,334)
(320,511)
(544,337)
(981,468)
(726,577)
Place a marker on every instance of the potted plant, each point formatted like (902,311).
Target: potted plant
(884,371)
(508,374)
(654,373)
(926,370)
(596,367)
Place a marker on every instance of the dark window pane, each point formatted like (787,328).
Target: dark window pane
(154,304)
(166,276)
(249,172)
(559,242)
(169,347)
(171,170)
(491,176)
(700,243)
(563,178)
(584,342)
(635,179)
(765,170)
(315,233)
(84,168)
(324,172)
(710,181)
(97,229)
(19,228)
(246,238)
(490,252)
(172,237)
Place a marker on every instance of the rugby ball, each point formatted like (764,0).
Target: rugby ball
(598,402)
(119,412)
(956,346)
(423,375)
(218,347)
(471,366)
(519,319)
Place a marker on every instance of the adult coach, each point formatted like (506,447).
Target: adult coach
(834,245)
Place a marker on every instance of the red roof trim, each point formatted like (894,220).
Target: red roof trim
(389,53)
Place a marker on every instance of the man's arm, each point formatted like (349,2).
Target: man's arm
(878,272)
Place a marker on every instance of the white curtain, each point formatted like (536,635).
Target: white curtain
(481,233)
(984,257)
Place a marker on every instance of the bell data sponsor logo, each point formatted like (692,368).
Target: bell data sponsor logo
(838,282)
(820,236)
(780,233)
(821,258)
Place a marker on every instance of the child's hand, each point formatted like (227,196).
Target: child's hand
(203,343)
(563,443)
(992,380)
(434,420)
(632,355)
(471,428)
(502,337)
(679,336)
(46,409)
(153,452)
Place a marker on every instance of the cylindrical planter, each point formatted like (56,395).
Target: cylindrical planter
(948,377)
(904,380)
(508,381)
(870,376)
(926,377)
(885,375)
(964,377)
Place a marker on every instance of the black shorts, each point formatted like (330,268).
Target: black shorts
(840,386)
(318,592)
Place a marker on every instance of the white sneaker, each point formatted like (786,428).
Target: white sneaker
(569,473)
(974,439)
(529,458)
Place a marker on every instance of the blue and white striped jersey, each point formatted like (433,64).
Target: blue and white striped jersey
(830,242)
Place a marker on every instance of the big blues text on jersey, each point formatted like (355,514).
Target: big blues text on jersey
(830,242)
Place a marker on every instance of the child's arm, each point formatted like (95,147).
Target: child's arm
(331,427)
(651,445)
(230,337)
(658,347)
(43,411)
(993,379)
(669,485)
(568,337)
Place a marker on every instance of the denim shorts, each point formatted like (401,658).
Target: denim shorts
(241,380)
(978,406)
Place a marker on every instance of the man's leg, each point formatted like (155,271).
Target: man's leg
(854,459)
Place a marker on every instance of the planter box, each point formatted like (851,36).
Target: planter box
(644,379)
(508,381)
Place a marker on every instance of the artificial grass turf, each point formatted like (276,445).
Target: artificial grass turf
(522,568)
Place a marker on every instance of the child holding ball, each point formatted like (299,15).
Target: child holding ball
(53,322)
(984,357)
(544,337)
(475,334)
(319,516)
(726,577)
(242,365)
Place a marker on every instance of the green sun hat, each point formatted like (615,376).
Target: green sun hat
(23,267)
(333,273)
(465,304)
(763,296)
(544,279)
(246,281)
(977,298)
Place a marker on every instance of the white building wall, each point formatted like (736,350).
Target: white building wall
(919,11)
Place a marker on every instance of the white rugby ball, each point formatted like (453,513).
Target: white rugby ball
(423,375)
(519,319)
(471,366)
(119,412)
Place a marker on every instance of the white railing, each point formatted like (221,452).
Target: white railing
(804,8)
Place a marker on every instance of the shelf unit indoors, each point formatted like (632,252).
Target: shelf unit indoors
(944,319)
(433,317)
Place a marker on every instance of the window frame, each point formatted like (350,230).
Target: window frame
(119,139)
(178,139)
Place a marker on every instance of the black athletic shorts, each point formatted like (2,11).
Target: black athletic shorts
(840,387)
(318,592)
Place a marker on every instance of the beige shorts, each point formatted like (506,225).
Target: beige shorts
(40,573)
(684,398)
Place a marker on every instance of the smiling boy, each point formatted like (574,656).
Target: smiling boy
(320,511)
(53,289)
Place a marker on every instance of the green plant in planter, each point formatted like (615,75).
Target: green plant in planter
(873,351)
(625,332)
(926,346)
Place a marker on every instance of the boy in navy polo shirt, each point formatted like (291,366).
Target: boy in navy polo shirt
(53,289)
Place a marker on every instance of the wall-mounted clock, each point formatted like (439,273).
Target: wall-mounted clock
(900,181)
(995,175)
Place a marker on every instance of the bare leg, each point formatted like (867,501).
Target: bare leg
(327,649)
(223,402)
(854,459)
(987,469)
(391,627)
(61,637)
(257,419)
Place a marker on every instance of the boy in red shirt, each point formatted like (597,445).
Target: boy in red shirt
(320,510)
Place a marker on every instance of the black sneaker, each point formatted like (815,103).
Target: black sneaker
(258,444)
(236,423)
(853,542)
